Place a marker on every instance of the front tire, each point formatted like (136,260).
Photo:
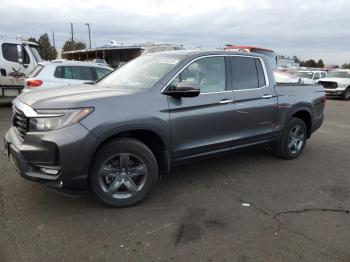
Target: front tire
(293,139)
(123,172)
(346,95)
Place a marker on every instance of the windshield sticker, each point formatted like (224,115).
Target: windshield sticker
(170,61)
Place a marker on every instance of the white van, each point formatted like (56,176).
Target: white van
(18,58)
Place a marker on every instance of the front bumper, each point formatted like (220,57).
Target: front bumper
(334,92)
(59,159)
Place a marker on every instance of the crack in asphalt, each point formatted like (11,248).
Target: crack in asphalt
(305,210)
(284,226)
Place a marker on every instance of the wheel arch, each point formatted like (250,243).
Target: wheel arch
(150,136)
(305,115)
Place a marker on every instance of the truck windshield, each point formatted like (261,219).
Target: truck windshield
(340,74)
(305,75)
(35,54)
(142,72)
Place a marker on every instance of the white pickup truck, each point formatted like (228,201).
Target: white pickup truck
(18,58)
(337,84)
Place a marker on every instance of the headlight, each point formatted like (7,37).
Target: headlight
(55,119)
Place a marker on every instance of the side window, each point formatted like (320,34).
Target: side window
(208,73)
(67,72)
(317,76)
(261,75)
(82,72)
(245,73)
(10,53)
(323,74)
(59,72)
(101,72)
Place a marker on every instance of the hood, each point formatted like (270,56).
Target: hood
(338,80)
(69,97)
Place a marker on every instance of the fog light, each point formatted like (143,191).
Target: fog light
(49,171)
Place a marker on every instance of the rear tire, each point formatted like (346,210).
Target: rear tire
(123,172)
(346,94)
(293,139)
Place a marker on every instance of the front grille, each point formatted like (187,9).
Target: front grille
(328,85)
(20,122)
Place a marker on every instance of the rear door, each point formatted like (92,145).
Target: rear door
(204,123)
(254,100)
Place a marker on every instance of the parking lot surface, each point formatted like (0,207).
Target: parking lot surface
(248,206)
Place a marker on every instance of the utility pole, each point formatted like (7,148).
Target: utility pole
(53,39)
(88,25)
(71,30)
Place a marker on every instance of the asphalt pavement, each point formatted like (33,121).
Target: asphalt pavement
(248,206)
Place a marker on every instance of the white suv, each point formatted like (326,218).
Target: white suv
(64,73)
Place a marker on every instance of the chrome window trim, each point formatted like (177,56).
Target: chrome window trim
(267,80)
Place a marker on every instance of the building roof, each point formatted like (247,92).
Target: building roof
(104,48)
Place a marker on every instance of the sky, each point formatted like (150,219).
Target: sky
(305,28)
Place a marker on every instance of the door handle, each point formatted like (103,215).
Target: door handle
(226,101)
(267,96)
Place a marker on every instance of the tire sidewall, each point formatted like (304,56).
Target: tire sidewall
(346,94)
(124,145)
(286,153)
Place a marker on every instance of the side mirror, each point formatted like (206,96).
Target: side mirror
(20,52)
(183,89)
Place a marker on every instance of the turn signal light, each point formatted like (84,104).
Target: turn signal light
(34,83)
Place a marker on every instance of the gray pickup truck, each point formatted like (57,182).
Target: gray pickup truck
(160,110)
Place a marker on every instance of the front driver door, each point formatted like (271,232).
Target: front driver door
(204,123)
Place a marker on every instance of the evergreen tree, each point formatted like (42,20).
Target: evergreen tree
(32,39)
(46,51)
(320,63)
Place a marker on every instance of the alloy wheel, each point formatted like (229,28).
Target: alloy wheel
(123,175)
(296,139)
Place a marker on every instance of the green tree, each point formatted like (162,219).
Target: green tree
(308,63)
(320,63)
(346,66)
(76,44)
(46,50)
(32,39)
(296,59)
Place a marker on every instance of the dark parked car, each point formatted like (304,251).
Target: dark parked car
(156,112)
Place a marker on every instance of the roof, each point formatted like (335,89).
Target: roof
(17,41)
(72,62)
(114,47)
(104,48)
(206,52)
(249,47)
